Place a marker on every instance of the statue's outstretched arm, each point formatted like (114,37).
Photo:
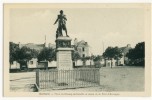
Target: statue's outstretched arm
(56,21)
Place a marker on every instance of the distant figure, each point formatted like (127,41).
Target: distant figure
(61,24)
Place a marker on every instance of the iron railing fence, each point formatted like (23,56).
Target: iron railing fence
(64,79)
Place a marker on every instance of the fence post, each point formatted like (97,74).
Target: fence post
(99,79)
(37,79)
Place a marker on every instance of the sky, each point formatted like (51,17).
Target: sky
(97,26)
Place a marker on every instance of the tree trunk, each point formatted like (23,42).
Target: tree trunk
(111,63)
(10,66)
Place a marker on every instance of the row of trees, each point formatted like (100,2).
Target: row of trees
(25,54)
(112,52)
(21,55)
(137,55)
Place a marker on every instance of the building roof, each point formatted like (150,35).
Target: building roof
(125,49)
(37,46)
(33,46)
(50,45)
(82,43)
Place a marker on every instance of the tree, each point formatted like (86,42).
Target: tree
(140,50)
(25,54)
(21,55)
(112,52)
(34,53)
(97,58)
(47,54)
(75,56)
(87,57)
(13,49)
(137,54)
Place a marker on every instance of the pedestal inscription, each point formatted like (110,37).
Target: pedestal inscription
(64,60)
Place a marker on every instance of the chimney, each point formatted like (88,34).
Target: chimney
(75,41)
(128,45)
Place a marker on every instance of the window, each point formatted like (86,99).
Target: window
(12,63)
(83,49)
(83,55)
(31,62)
(79,49)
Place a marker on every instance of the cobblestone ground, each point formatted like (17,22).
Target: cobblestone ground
(116,79)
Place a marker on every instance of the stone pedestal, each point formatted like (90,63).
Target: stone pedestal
(64,59)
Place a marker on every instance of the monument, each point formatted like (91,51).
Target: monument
(63,49)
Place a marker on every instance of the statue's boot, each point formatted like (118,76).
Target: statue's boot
(67,35)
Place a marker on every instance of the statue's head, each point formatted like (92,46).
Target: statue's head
(61,11)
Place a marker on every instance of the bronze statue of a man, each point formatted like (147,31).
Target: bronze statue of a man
(61,19)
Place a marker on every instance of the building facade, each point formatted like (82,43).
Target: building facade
(82,48)
(121,61)
(124,51)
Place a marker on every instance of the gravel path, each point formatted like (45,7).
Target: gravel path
(22,81)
